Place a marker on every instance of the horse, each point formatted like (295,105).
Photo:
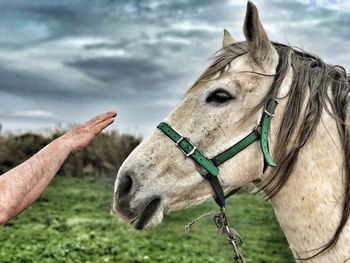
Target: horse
(308,137)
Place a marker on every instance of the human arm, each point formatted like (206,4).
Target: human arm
(22,185)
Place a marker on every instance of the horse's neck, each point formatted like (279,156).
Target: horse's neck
(309,206)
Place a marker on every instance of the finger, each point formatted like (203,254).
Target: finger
(103,125)
(100,118)
(92,120)
(103,117)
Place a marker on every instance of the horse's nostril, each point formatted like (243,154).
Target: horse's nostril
(124,186)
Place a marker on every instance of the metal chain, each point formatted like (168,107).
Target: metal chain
(221,223)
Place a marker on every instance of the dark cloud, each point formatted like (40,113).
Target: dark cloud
(27,84)
(188,34)
(72,58)
(129,76)
(51,12)
(101,45)
(305,18)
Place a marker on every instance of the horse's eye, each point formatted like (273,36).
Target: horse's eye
(219,96)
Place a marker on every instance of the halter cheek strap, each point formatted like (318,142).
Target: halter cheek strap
(211,165)
(269,112)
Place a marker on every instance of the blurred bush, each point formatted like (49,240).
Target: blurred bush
(102,157)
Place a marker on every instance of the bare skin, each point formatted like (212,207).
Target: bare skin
(22,185)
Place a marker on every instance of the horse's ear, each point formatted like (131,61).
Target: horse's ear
(228,39)
(259,44)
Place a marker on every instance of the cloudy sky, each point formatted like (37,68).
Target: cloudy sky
(63,61)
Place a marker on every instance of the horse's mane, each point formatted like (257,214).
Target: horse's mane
(316,86)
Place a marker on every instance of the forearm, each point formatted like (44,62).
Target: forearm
(22,185)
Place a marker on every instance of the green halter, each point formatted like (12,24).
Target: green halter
(211,165)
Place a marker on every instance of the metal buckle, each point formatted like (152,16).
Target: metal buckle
(270,113)
(180,140)
(194,148)
(276,100)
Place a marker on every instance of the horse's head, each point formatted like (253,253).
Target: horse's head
(156,177)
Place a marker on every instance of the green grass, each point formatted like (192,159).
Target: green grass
(71,223)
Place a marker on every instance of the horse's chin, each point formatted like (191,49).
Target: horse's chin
(153,222)
(151,216)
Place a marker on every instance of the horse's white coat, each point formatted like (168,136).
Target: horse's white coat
(308,207)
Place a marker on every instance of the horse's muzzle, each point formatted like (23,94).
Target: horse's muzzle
(138,212)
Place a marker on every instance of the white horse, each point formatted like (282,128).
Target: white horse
(308,138)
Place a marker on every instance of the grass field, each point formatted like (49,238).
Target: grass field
(71,223)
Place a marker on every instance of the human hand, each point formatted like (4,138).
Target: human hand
(82,135)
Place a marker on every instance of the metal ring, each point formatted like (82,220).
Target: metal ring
(192,151)
(276,100)
(269,113)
